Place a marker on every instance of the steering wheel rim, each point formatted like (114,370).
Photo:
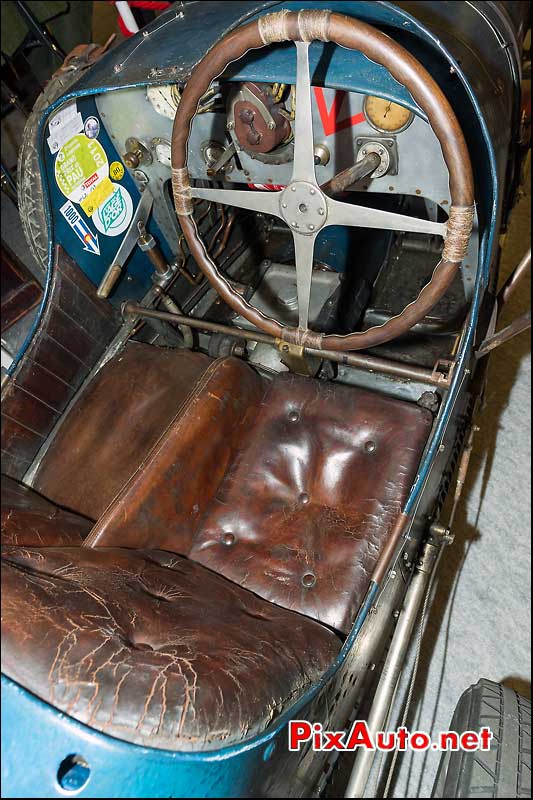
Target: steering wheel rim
(303,190)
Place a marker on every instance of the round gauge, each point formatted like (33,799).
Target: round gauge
(386,116)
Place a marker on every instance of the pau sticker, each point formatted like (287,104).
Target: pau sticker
(114,215)
(81,164)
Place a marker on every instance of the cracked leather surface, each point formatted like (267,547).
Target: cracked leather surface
(288,488)
(153,648)
(114,423)
(312,494)
(29,519)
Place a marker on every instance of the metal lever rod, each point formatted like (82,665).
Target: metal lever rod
(114,271)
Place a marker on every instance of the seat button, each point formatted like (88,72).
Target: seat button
(294,416)
(303,498)
(308,580)
(228,539)
(370,446)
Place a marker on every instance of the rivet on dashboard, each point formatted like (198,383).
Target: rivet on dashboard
(311,227)
(303,498)
(228,539)
(321,212)
(293,188)
(284,205)
(308,580)
(370,446)
(294,416)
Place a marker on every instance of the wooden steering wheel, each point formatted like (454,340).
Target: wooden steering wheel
(302,204)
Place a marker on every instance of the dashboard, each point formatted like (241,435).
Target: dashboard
(242,134)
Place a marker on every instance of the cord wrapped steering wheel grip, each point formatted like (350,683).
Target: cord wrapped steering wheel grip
(306,26)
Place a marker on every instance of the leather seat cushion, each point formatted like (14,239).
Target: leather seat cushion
(289,488)
(114,423)
(29,519)
(152,648)
(311,497)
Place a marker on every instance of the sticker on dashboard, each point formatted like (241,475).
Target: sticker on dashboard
(80,228)
(81,164)
(99,195)
(63,125)
(116,170)
(114,215)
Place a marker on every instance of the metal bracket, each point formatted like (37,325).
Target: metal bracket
(374,144)
(293,356)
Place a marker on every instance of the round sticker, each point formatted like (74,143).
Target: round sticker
(116,171)
(91,127)
(114,215)
(80,165)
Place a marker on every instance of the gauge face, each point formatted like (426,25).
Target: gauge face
(386,116)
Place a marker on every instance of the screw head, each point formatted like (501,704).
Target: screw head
(293,188)
(284,205)
(228,539)
(294,224)
(321,212)
(271,126)
(312,191)
(308,580)
(311,227)
(230,125)
(370,446)
(294,416)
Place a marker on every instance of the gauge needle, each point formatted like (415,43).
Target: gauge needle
(387,109)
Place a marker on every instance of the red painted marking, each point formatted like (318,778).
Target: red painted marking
(330,119)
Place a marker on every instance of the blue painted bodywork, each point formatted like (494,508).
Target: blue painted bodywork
(93,265)
(261,766)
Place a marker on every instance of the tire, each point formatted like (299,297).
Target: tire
(505,770)
(29,182)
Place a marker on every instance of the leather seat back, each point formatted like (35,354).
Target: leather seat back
(114,423)
(166,498)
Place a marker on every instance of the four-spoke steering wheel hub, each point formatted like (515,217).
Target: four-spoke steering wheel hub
(303,207)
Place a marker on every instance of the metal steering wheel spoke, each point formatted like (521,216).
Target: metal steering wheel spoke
(303,168)
(304,248)
(263,202)
(363,217)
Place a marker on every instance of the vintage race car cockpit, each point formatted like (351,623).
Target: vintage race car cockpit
(270,238)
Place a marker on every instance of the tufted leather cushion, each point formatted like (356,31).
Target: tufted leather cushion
(291,493)
(151,648)
(29,519)
(310,498)
(114,423)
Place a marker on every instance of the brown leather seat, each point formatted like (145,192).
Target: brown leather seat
(289,488)
(29,519)
(114,423)
(146,646)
